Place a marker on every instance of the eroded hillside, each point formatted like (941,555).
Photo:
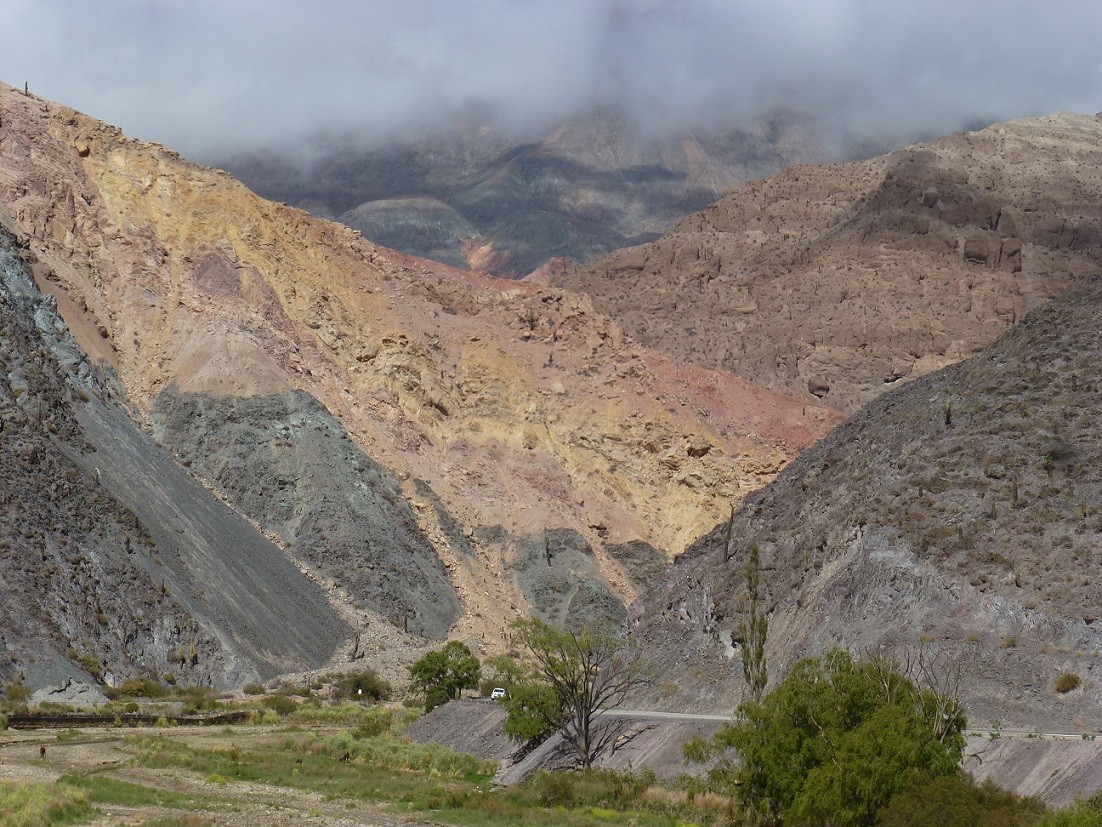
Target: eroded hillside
(842,281)
(112,560)
(444,451)
(959,513)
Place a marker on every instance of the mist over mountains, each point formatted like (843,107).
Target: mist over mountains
(209,78)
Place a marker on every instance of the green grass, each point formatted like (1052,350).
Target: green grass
(353,714)
(101,789)
(30,804)
(426,778)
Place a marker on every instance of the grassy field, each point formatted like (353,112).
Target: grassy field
(345,761)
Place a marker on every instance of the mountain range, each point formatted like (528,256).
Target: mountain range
(476,196)
(436,452)
(294,446)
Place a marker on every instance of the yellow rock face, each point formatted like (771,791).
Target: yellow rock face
(520,406)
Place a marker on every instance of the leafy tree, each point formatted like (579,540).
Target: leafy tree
(534,711)
(753,629)
(441,676)
(575,677)
(505,671)
(833,742)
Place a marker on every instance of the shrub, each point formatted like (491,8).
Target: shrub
(3,721)
(280,704)
(590,787)
(16,694)
(1086,813)
(141,687)
(375,725)
(196,699)
(363,685)
(253,689)
(91,665)
(957,801)
(834,742)
(1066,682)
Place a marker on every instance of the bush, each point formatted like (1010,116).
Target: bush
(280,704)
(253,689)
(1066,682)
(16,694)
(1086,813)
(364,685)
(602,788)
(3,721)
(957,801)
(143,687)
(375,725)
(196,699)
(834,742)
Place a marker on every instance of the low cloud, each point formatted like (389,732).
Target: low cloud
(210,77)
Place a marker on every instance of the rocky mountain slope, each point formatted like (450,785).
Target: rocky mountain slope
(473,196)
(440,450)
(958,513)
(842,281)
(112,560)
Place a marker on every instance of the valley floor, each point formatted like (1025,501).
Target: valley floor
(175,796)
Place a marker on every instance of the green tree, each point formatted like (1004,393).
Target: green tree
(753,628)
(575,677)
(833,742)
(441,676)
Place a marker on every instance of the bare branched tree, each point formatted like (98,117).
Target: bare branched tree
(940,677)
(936,680)
(588,673)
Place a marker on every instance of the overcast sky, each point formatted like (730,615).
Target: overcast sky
(209,76)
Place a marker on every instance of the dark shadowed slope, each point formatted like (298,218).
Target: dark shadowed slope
(961,512)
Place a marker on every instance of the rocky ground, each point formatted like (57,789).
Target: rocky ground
(840,282)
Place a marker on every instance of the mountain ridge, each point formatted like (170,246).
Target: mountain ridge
(841,281)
